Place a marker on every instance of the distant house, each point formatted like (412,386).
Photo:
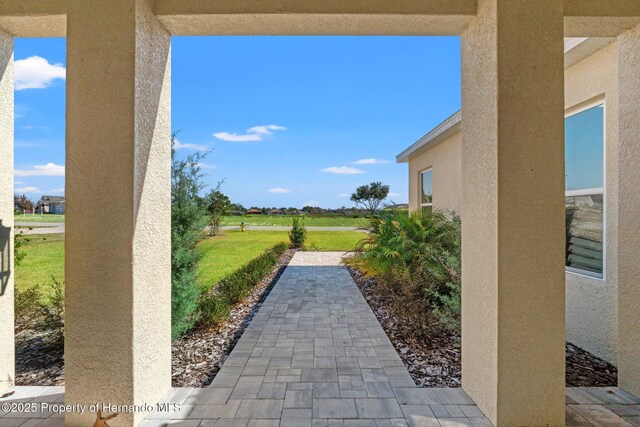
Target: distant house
(276,212)
(254,211)
(52,204)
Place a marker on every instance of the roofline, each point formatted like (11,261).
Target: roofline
(575,50)
(446,129)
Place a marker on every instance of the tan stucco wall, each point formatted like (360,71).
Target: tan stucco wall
(513,324)
(628,208)
(7,354)
(118,264)
(446,162)
(592,306)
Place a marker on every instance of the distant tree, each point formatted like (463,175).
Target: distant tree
(22,203)
(370,196)
(238,207)
(218,205)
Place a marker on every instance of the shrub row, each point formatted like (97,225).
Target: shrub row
(215,304)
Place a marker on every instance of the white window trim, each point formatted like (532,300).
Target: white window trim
(576,109)
(424,205)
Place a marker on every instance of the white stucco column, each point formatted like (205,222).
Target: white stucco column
(628,209)
(7,346)
(117,266)
(513,296)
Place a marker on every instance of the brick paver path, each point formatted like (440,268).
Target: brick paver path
(315,355)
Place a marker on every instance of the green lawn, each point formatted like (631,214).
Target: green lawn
(222,255)
(45,257)
(39,218)
(285,220)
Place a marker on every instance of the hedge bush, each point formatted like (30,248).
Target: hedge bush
(214,305)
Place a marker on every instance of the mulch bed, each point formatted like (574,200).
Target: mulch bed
(434,361)
(196,357)
(39,358)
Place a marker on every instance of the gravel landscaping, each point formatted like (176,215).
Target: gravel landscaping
(435,361)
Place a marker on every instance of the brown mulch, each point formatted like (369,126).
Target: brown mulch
(434,360)
(39,358)
(586,370)
(196,357)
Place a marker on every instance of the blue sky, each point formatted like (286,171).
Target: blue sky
(291,121)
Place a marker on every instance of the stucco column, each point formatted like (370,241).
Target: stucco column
(513,297)
(628,209)
(7,347)
(118,267)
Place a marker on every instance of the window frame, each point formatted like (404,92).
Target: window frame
(577,109)
(421,192)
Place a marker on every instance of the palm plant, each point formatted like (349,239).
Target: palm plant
(416,257)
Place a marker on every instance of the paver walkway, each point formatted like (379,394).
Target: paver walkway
(315,355)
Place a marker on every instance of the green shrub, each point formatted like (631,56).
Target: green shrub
(416,261)
(298,233)
(41,307)
(188,218)
(19,241)
(214,305)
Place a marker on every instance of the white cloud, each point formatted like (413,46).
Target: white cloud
(187,146)
(50,169)
(313,203)
(344,170)
(27,190)
(394,194)
(55,191)
(343,195)
(370,162)
(36,72)
(279,190)
(18,183)
(256,133)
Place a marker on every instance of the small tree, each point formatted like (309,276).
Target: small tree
(188,218)
(218,205)
(298,233)
(22,203)
(370,196)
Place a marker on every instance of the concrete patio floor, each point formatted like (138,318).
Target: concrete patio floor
(315,355)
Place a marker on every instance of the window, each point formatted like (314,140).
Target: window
(426,190)
(584,197)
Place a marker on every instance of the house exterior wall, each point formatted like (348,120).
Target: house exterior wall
(591,303)
(445,161)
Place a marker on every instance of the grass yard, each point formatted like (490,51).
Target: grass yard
(45,258)
(39,218)
(285,220)
(222,255)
